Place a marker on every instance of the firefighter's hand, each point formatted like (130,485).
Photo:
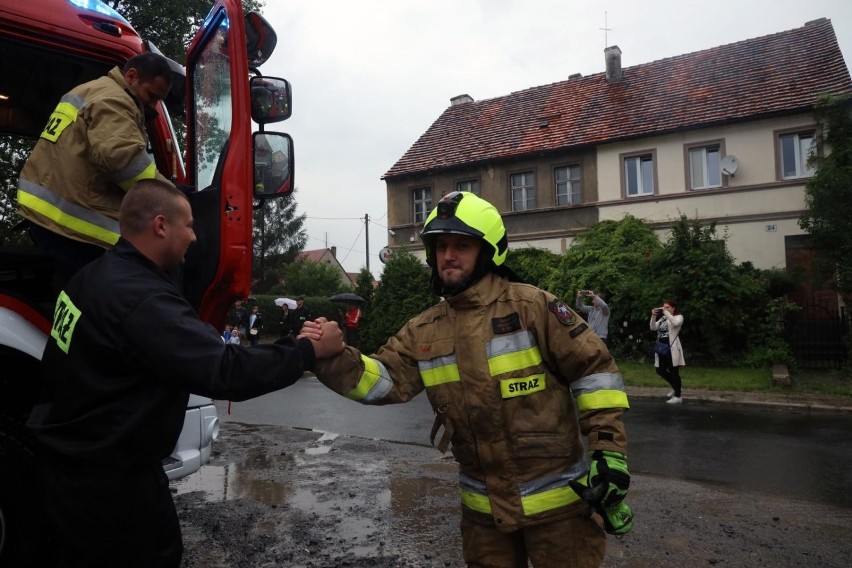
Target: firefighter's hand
(609,469)
(330,342)
(618,519)
(311,330)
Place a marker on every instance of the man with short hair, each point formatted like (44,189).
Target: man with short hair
(92,150)
(527,395)
(597,314)
(115,394)
(301,314)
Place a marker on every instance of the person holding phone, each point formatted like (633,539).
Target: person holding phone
(667,322)
(597,314)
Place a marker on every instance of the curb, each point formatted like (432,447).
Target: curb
(821,403)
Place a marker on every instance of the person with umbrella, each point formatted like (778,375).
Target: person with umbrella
(351,318)
(351,321)
(285,320)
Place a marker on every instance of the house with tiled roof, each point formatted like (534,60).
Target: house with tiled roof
(721,135)
(327,256)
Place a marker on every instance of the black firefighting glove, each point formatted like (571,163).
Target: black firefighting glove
(608,482)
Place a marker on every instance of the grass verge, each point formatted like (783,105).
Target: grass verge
(808,381)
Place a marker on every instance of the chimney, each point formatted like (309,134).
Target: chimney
(334,252)
(461,99)
(612,55)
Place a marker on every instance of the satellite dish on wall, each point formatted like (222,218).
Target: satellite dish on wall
(729,164)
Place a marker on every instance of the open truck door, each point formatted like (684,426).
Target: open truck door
(223,157)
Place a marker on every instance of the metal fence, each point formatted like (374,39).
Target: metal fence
(817,336)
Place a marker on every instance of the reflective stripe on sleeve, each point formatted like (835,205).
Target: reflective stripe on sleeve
(513,352)
(375,382)
(67,214)
(141,167)
(439,370)
(601,390)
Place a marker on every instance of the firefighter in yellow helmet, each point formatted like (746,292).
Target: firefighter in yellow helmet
(529,398)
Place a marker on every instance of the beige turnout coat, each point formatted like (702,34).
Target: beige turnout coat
(91,151)
(521,386)
(675,323)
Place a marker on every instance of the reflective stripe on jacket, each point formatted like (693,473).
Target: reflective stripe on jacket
(517,380)
(92,150)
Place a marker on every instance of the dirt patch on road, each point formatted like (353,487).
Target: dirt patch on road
(277,496)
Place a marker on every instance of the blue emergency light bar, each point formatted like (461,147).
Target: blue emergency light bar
(99,7)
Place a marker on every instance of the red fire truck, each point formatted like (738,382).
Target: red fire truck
(46,48)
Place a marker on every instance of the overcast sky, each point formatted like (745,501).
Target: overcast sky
(369,77)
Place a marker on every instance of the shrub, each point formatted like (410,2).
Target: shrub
(402,294)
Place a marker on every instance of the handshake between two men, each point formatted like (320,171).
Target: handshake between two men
(325,336)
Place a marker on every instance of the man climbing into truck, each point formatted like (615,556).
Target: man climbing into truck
(91,151)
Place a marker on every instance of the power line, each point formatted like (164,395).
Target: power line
(336,218)
(353,246)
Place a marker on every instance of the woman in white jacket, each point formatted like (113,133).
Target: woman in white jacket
(667,322)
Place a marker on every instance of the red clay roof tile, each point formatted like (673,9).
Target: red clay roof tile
(771,75)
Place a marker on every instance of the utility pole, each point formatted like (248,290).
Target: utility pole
(367,234)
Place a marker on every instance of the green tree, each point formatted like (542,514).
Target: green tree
(170,24)
(828,195)
(731,316)
(364,286)
(308,278)
(727,306)
(402,294)
(13,154)
(534,266)
(614,258)
(277,239)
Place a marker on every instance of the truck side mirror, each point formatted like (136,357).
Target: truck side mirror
(260,39)
(271,100)
(273,164)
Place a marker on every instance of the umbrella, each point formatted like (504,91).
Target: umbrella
(347,297)
(282,301)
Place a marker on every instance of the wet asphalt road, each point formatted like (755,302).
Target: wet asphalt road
(780,452)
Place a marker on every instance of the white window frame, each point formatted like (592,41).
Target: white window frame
(470,185)
(705,166)
(522,191)
(422,199)
(569,190)
(801,151)
(642,165)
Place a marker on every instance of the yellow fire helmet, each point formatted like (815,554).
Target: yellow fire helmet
(464,213)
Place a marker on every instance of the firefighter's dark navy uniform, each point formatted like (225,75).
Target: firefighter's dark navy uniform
(126,349)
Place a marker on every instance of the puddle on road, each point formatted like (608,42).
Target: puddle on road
(227,483)
(419,499)
(235,480)
(358,530)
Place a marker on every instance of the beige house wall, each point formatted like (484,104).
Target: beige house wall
(754,207)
